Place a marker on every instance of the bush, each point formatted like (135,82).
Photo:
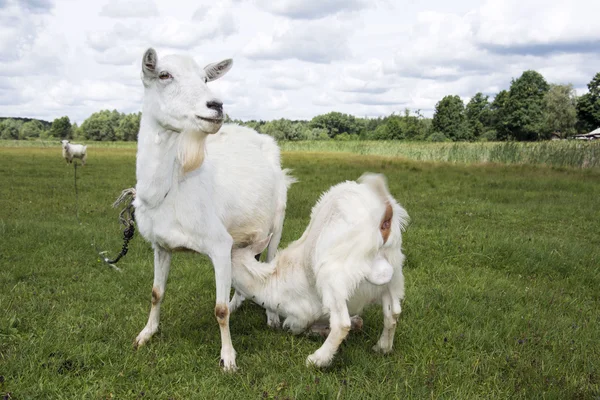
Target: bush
(437,137)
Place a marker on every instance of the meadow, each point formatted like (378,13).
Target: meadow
(502,281)
(563,153)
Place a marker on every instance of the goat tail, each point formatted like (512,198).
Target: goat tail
(378,183)
(288,178)
(277,228)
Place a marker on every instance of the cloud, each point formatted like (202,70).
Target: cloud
(538,27)
(129,9)
(126,40)
(310,9)
(285,76)
(367,78)
(33,6)
(314,41)
(120,55)
(26,45)
(216,21)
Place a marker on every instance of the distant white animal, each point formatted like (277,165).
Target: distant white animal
(349,256)
(72,150)
(200,188)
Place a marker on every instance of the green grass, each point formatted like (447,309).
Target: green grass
(571,153)
(502,296)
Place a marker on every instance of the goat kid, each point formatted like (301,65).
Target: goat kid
(201,185)
(72,150)
(349,256)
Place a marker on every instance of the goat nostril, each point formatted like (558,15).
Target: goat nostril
(215,105)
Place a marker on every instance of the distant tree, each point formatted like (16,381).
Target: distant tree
(449,118)
(560,113)
(336,123)
(498,116)
(283,129)
(61,128)
(525,106)
(128,127)
(588,106)
(9,129)
(478,115)
(76,132)
(31,129)
(101,125)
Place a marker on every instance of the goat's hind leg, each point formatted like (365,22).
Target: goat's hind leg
(339,323)
(162,264)
(391,311)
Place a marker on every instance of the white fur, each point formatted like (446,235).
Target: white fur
(328,273)
(196,191)
(72,150)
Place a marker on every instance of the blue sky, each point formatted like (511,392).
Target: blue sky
(292,58)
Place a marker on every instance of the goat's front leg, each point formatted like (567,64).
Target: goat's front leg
(221,259)
(339,323)
(391,311)
(162,264)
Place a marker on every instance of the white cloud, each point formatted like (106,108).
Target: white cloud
(310,9)
(292,58)
(129,9)
(535,23)
(311,41)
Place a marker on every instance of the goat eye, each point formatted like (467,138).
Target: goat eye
(164,75)
(205,80)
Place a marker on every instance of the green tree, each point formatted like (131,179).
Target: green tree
(128,127)
(31,129)
(449,118)
(498,118)
(283,129)
(477,114)
(560,113)
(525,106)
(61,128)
(101,125)
(9,129)
(336,123)
(588,106)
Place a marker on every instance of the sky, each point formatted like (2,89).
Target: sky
(292,58)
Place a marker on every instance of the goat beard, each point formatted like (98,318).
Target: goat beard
(190,151)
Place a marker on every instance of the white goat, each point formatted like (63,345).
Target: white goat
(349,256)
(72,150)
(189,200)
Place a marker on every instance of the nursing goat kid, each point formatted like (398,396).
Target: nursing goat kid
(72,150)
(189,199)
(349,256)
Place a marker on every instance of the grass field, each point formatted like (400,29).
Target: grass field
(564,153)
(502,297)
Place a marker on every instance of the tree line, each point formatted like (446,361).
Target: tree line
(530,109)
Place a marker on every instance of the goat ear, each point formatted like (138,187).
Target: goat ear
(261,245)
(149,64)
(217,70)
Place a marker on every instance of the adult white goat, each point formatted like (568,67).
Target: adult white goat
(72,150)
(349,256)
(186,201)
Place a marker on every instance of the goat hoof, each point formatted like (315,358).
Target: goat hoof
(143,337)
(317,360)
(227,362)
(228,366)
(383,349)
